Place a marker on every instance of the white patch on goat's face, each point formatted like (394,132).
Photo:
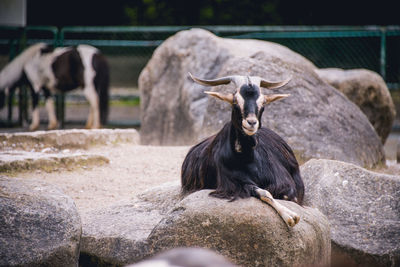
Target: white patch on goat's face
(240,101)
(250,101)
(260,101)
(250,124)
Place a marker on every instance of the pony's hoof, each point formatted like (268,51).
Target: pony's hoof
(52,126)
(93,126)
(33,127)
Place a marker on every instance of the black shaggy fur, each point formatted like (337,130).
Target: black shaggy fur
(265,161)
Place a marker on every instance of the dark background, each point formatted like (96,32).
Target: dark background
(212,12)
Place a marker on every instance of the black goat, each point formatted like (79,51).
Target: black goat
(244,159)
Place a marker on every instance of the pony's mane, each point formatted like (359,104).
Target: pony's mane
(13,70)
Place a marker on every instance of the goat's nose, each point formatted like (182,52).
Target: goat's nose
(251,121)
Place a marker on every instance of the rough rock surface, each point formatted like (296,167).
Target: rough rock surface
(19,161)
(66,139)
(39,225)
(367,90)
(363,208)
(246,231)
(317,120)
(118,234)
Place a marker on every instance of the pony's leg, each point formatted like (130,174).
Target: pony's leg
(35,113)
(53,123)
(10,96)
(93,121)
(290,217)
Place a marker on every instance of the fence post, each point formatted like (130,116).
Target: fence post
(23,91)
(383,54)
(60,96)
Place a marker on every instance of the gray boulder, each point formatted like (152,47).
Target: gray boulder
(40,226)
(247,231)
(363,208)
(118,235)
(367,90)
(317,120)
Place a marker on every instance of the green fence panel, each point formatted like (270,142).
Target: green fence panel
(128,48)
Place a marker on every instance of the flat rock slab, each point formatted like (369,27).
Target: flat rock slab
(67,139)
(363,208)
(246,231)
(39,225)
(14,161)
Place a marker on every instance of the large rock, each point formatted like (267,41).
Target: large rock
(39,225)
(367,90)
(363,208)
(317,120)
(247,231)
(118,235)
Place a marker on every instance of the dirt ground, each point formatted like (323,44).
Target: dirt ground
(132,169)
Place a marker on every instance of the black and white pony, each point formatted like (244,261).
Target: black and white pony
(59,70)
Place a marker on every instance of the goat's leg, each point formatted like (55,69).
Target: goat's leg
(290,217)
(10,95)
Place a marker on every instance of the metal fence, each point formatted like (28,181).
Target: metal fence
(129,48)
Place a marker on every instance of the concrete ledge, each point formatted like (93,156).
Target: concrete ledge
(63,139)
(21,161)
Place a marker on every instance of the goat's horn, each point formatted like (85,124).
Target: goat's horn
(223,80)
(273,85)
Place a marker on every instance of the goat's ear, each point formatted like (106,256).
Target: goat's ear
(274,97)
(225,97)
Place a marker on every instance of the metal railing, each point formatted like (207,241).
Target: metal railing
(128,48)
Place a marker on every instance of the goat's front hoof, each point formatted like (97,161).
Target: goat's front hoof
(290,218)
(290,222)
(294,219)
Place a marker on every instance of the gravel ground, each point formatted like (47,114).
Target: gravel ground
(131,170)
